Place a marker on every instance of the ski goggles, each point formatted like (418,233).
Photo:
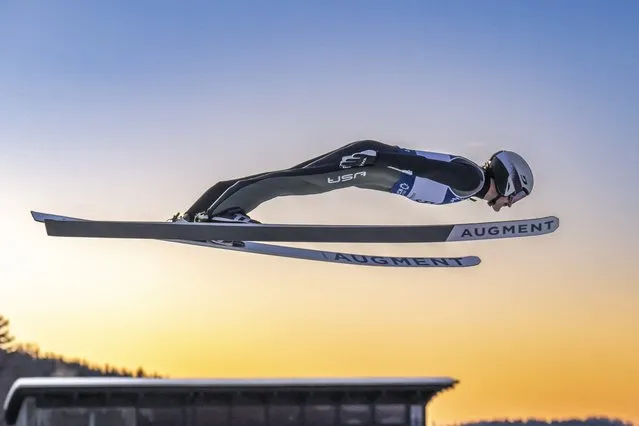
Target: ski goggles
(519,195)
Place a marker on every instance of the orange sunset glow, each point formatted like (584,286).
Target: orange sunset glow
(129,113)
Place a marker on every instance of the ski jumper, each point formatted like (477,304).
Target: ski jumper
(421,176)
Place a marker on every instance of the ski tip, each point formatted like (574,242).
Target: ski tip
(553,223)
(473,260)
(468,261)
(503,229)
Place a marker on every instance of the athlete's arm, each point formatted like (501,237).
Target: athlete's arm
(459,175)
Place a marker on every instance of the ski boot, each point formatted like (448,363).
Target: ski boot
(229,216)
(177,218)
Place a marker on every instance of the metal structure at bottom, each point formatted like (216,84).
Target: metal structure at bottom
(109,401)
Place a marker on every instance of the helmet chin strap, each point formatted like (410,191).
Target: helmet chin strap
(494,200)
(484,190)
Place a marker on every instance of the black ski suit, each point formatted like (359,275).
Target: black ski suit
(421,176)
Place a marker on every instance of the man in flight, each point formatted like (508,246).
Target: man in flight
(421,176)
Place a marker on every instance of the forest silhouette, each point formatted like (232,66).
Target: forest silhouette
(19,359)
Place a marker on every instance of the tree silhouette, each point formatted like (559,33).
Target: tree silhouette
(5,337)
(589,421)
(24,358)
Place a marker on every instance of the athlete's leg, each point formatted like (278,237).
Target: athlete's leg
(243,195)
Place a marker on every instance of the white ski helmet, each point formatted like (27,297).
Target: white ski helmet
(512,175)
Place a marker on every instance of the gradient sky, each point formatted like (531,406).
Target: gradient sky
(130,110)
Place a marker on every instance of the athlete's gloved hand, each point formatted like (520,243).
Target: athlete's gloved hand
(358,159)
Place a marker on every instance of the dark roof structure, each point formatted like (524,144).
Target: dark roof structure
(89,392)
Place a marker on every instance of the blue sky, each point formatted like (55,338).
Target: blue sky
(236,49)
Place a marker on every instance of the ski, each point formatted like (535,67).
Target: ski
(313,255)
(72,227)
(339,257)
